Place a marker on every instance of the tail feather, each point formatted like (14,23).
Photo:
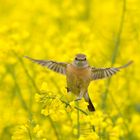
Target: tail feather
(90,105)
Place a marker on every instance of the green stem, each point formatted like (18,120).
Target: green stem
(12,72)
(26,71)
(67,104)
(78,120)
(115,52)
(34,85)
(76,107)
(120,114)
(114,56)
(29,133)
(54,128)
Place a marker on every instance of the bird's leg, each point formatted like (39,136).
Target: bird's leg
(80,96)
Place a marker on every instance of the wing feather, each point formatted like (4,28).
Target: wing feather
(99,73)
(58,67)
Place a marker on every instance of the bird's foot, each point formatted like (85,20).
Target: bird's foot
(77,99)
(80,96)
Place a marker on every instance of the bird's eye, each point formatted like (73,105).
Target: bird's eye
(76,58)
(85,59)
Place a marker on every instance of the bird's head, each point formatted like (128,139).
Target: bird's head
(80,61)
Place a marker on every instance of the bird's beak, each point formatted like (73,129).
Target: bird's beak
(79,64)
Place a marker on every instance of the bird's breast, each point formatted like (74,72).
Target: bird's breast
(79,72)
(78,78)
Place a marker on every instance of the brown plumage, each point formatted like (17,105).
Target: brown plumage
(79,74)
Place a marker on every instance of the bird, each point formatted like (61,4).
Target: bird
(79,74)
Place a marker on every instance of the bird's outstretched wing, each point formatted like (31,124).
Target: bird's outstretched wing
(58,67)
(99,73)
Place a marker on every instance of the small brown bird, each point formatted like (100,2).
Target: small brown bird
(79,74)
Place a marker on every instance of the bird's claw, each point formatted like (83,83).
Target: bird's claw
(77,99)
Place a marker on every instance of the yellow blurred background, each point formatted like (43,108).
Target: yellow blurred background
(107,31)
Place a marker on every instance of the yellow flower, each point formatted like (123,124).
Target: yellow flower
(91,136)
(57,30)
(44,87)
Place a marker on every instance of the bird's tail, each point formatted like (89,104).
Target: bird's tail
(90,105)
